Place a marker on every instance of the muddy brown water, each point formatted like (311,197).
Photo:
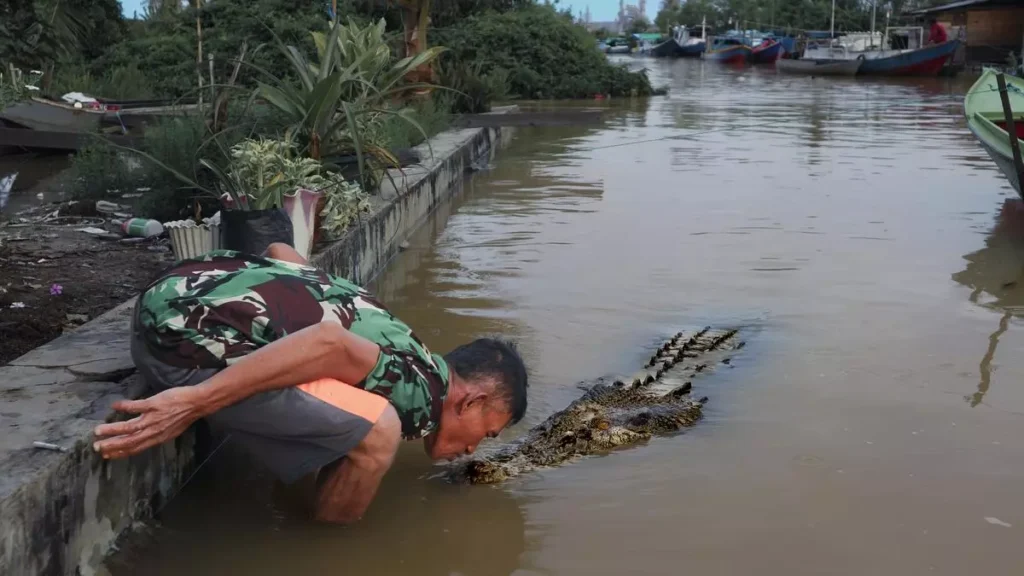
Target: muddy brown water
(871,255)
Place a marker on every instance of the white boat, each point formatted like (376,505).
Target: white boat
(41,114)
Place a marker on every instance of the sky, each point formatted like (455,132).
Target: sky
(607,10)
(600,10)
(129,7)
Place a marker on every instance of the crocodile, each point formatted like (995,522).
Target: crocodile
(612,413)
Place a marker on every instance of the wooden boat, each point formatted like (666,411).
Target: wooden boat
(667,49)
(983,108)
(924,61)
(41,114)
(693,49)
(728,51)
(814,67)
(766,53)
(680,45)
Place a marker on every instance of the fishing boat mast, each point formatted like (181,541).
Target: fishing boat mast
(832,31)
(873,6)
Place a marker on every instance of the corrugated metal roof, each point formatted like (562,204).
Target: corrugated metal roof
(952,6)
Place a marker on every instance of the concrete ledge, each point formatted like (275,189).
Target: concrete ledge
(60,511)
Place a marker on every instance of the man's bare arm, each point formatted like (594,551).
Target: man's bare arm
(345,490)
(324,350)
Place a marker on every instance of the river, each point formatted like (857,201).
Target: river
(852,229)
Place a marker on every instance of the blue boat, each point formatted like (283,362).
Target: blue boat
(926,61)
(767,52)
(728,50)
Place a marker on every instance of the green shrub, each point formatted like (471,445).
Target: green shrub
(100,171)
(123,82)
(545,54)
(474,90)
(432,114)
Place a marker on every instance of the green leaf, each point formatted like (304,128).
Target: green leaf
(356,139)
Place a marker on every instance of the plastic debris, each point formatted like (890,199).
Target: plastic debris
(49,446)
(6,185)
(17,304)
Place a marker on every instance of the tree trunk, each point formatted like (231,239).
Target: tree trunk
(416,19)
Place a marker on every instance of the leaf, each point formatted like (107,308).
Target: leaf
(356,139)
(281,100)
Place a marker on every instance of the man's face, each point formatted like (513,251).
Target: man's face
(464,426)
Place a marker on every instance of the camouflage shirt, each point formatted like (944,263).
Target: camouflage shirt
(210,311)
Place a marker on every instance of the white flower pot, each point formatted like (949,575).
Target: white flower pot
(191,240)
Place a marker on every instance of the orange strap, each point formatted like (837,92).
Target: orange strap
(366,405)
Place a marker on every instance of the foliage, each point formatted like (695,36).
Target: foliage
(100,170)
(124,82)
(545,53)
(431,115)
(345,201)
(474,89)
(43,34)
(269,169)
(15,86)
(165,46)
(638,25)
(347,88)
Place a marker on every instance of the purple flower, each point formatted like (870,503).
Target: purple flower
(56,290)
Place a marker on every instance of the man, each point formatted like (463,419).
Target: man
(309,372)
(937,32)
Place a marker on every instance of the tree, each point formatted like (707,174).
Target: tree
(638,25)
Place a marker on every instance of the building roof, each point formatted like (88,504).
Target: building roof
(968,4)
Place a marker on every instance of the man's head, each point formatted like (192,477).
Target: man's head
(487,393)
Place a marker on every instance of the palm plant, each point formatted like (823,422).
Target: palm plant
(341,94)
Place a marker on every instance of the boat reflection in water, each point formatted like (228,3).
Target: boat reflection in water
(995,275)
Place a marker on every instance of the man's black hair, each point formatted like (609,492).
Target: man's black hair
(497,359)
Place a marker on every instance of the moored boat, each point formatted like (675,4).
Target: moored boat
(983,108)
(767,52)
(680,45)
(925,61)
(819,67)
(728,51)
(41,114)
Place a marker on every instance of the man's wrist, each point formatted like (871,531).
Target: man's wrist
(202,400)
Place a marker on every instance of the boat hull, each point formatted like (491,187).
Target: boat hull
(729,55)
(692,50)
(927,61)
(819,67)
(1004,163)
(766,54)
(983,108)
(39,114)
(667,49)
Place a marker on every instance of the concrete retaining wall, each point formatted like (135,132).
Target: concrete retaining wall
(60,511)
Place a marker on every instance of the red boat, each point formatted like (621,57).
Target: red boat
(728,50)
(767,52)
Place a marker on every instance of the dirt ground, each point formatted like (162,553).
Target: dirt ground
(54,277)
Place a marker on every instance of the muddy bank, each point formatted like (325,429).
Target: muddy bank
(53,277)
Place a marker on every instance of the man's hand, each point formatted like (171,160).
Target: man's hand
(161,418)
